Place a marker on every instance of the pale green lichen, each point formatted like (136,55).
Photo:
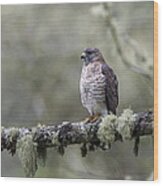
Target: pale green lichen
(112,124)
(2,129)
(13,133)
(40,126)
(54,138)
(27,153)
(126,124)
(106,132)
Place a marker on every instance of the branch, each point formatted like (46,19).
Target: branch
(139,62)
(31,143)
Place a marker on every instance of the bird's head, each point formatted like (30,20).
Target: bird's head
(90,55)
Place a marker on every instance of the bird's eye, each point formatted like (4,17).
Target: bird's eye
(89,52)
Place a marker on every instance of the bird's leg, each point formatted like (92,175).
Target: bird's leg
(92,118)
(95,118)
(88,119)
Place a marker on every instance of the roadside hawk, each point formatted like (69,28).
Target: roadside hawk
(98,84)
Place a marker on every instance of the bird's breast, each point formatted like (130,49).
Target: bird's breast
(93,83)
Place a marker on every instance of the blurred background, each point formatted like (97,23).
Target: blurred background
(41,67)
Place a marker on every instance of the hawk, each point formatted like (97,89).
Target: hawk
(98,84)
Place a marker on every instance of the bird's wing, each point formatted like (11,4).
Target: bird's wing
(111,89)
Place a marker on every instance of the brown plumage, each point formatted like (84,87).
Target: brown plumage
(98,84)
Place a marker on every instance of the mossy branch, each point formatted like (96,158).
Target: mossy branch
(31,143)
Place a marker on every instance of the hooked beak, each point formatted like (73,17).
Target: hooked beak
(83,56)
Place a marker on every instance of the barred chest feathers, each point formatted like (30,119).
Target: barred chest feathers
(92,89)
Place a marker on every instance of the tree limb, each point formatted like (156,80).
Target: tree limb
(141,63)
(31,143)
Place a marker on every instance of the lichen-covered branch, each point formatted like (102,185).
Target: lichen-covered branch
(31,143)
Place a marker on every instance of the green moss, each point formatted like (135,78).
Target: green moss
(126,124)
(27,153)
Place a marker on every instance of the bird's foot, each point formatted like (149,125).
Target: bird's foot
(92,119)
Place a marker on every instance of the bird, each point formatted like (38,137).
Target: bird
(98,85)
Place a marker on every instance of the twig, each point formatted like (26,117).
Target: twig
(136,64)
